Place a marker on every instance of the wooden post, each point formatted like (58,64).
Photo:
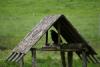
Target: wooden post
(70,58)
(22,62)
(62,53)
(46,43)
(84,59)
(33,50)
(63,58)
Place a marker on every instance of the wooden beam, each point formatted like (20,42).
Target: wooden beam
(70,58)
(62,53)
(55,49)
(58,25)
(33,51)
(84,59)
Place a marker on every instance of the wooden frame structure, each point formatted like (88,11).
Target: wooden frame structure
(69,52)
(75,42)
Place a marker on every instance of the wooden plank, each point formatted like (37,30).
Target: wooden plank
(20,57)
(12,56)
(16,57)
(96,59)
(70,58)
(91,59)
(37,32)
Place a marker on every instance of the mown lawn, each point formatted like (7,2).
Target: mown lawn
(18,17)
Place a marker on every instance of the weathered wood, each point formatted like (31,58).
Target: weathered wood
(58,24)
(56,49)
(70,58)
(21,63)
(68,32)
(37,32)
(19,58)
(68,29)
(11,56)
(33,51)
(46,43)
(16,57)
(91,59)
(84,59)
(72,34)
(62,53)
(95,58)
(72,46)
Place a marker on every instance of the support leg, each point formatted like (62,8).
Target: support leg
(22,62)
(46,43)
(84,59)
(33,50)
(63,58)
(70,59)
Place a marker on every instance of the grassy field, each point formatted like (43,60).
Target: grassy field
(18,17)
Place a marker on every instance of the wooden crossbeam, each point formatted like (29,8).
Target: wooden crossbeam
(55,49)
(62,52)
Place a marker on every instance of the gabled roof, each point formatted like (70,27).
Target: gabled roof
(37,32)
(68,32)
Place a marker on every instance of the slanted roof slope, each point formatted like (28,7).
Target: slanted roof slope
(68,32)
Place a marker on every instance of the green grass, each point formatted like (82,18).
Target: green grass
(44,59)
(18,17)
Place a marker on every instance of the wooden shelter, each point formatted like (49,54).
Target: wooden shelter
(74,42)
